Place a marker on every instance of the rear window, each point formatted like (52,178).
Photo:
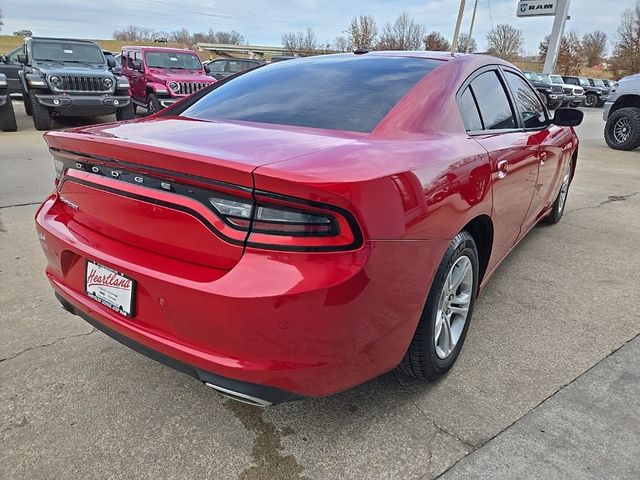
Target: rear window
(332,92)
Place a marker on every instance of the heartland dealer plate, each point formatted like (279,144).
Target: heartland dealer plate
(110,288)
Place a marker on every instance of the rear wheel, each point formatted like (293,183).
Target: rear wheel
(153,104)
(41,116)
(622,131)
(446,316)
(591,101)
(8,118)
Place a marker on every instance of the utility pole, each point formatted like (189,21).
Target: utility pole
(562,14)
(473,20)
(454,43)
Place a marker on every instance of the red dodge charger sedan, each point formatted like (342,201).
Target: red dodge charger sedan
(303,227)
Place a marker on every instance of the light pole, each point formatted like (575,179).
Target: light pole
(454,42)
(473,20)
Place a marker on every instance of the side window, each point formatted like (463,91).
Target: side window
(527,100)
(469,111)
(124,59)
(216,67)
(495,109)
(234,66)
(13,55)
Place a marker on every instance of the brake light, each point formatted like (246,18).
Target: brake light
(284,223)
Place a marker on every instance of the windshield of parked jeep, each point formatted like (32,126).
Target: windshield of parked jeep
(67,52)
(598,83)
(545,78)
(584,82)
(179,61)
(557,79)
(332,92)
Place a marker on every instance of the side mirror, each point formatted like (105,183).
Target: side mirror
(22,58)
(568,117)
(137,65)
(111,62)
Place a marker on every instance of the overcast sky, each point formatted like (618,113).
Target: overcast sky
(263,22)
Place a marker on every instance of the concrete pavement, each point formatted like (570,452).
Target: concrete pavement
(74,403)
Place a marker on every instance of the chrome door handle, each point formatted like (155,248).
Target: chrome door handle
(503,168)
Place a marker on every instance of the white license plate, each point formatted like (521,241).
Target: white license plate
(110,288)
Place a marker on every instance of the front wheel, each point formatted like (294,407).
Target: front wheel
(561,200)
(622,131)
(591,101)
(445,319)
(125,113)
(153,104)
(8,118)
(41,116)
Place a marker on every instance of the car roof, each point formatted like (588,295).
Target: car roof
(56,39)
(158,49)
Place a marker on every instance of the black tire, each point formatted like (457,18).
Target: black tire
(125,113)
(27,103)
(623,140)
(421,360)
(153,104)
(591,101)
(560,203)
(8,118)
(41,116)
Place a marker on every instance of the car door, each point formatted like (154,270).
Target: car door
(554,141)
(513,154)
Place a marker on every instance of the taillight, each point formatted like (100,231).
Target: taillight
(289,224)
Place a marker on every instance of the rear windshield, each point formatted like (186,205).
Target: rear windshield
(342,92)
(179,61)
(67,52)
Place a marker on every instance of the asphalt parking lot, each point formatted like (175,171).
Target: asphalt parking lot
(548,385)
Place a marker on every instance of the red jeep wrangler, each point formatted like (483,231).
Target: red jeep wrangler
(162,76)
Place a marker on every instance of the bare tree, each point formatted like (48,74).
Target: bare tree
(570,59)
(435,42)
(594,47)
(363,32)
(304,43)
(230,38)
(181,37)
(505,41)
(463,40)
(626,53)
(1,19)
(342,44)
(403,34)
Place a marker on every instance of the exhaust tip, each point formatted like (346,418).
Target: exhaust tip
(239,397)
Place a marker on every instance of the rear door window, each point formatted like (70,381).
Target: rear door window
(493,102)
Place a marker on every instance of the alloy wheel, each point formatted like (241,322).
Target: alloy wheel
(622,130)
(453,307)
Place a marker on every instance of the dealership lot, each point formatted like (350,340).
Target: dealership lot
(74,403)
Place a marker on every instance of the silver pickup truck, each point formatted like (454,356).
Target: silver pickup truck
(622,114)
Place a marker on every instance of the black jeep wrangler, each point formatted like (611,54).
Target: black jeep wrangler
(7,117)
(65,77)
(551,95)
(596,96)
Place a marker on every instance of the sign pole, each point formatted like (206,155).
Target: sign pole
(454,42)
(553,50)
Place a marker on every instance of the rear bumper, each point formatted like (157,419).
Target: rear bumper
(64,102)
(293,323)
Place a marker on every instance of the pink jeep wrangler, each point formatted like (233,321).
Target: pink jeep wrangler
(162,76)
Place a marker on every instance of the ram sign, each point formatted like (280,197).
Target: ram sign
(536,8)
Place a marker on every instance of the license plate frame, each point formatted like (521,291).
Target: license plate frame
(110,288)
